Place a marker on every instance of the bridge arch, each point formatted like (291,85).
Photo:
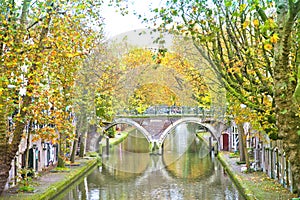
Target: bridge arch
(132,123)
(213,131)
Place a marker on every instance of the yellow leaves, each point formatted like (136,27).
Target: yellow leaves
(236,65)
(234,70)
(69,55)
(274,38)
(4,22)
(271,23)
(47,133)
(242,7)
(24,109)
(246,24)
(194,9)
(138,57)
(153,94)
(256,22)
(268,46)
(53,53)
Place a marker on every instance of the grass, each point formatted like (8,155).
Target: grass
(263,186)
(92,154)
(60,169)
(234,154)
(68,163)
(116,140)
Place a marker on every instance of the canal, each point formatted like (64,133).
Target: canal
(185,169)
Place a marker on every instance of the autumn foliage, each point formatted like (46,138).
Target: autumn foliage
(43,44)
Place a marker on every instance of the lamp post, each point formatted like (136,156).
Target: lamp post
(34,147)
(16,167)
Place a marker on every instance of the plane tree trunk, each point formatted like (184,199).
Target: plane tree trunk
(285,82)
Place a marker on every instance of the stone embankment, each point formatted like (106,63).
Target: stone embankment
(50,184)
(254,185)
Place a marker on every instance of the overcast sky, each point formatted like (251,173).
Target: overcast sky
(116,23)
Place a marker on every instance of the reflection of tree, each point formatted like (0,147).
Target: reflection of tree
(136,143)
(108,176)
(83,189)
(128,158)
(189,165)
(185,155)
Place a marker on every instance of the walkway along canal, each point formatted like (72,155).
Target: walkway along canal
(185,170)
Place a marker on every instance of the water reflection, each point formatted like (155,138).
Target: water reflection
(184,171)
(185,156)
(129,158)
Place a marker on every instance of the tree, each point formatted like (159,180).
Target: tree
(249,46)
(42,44)
(87,82)
(176,80)
(97,86)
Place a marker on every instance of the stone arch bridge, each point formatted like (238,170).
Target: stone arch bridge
(156,128)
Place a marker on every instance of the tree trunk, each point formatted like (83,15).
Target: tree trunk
(287,118)
(243,147)
(241,144)
(27,152)
(61,161)
(74,149)
(82,128)
(288,125)
(75,143)
(4,173)
(82,146)
(9,150)
(4,164)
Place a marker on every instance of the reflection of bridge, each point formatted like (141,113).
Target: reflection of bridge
(156,125)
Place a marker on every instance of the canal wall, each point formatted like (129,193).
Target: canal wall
(119,137)
(49,185)
(207,139)
(71,178)
(255,185)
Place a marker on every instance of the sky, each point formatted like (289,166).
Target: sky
(116,23)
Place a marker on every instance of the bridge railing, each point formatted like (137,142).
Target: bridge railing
(175,111)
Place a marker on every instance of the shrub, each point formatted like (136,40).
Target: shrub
(26,188)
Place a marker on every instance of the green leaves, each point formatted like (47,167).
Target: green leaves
(284,111)
(228,3)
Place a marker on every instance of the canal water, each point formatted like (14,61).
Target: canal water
(185,169)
